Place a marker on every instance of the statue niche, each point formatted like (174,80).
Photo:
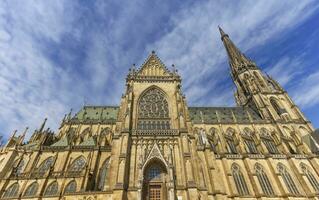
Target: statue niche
(153,111)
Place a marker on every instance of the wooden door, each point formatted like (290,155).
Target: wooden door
(154,192)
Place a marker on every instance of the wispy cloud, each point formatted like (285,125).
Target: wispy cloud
(56,54)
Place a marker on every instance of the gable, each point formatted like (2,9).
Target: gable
(153,66)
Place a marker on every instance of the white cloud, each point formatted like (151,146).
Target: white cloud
(307,91)
(33,85)
(195,45)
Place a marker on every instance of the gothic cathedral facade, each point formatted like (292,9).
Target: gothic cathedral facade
(153,146)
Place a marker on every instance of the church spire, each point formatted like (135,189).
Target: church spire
(237,59)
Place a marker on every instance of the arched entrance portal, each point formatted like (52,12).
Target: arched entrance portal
(154,183)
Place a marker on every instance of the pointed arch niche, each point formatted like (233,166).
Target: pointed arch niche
(153,110)
(154,180)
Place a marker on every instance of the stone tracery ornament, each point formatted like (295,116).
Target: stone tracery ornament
(153,105)
(153,110)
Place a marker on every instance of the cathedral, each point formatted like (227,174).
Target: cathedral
(153,146)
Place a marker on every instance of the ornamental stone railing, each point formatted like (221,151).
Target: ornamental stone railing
(155,132)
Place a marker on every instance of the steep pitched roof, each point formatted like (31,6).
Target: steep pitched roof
(208,115)
(153,66)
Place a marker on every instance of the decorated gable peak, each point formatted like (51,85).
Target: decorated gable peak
(153,66)
(153,69)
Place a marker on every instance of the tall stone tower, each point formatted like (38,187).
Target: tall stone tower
(259,92)
(153,146)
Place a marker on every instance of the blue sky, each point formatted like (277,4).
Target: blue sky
(56,55)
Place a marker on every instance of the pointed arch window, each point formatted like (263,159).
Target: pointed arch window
(268,141)
(213,139)
(105,137)
(31,190)
(229,138)
(277,108)
(259,79)
(311,178)
(70,188)
(249,141)
(239,179)
(77,165)
(263,180)
(103,174)
(52,189)
(153,112)
(46,165)
(291,186)
(12,191)
(19,168)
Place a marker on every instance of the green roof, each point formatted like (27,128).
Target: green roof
(207,115)
(97,114)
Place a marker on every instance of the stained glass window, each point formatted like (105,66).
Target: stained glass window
(103,174)
(153,110)
(290,184)
(311,178)
(12,191)
(239,180)
(19,168)
(45,166)
(154,172)
(77,165)
(70,188)
(31,190)
(248,139)
(268,141)
(263,180)
(229,137)
(52,189)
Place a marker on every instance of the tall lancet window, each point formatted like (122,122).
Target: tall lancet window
(268,141)
(103,174)
(12,191)
(77,165)
(249,141)
(311,178)
(263,180)
(229,138)
(290,184)
(31,190)
(153,110)
(45,165)
(239,179)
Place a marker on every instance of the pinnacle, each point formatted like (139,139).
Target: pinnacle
(222,33)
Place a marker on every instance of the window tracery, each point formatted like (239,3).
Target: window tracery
(46,165)
(19,168)
(77,165)
(239,180)
(31,190)
(153,110)
(70,188)
(268,141)
(249,141)
(52,189)
(229,137)
(103,174)
(213,139)
(311,178)
(263,180)
(12,191)
(292,188)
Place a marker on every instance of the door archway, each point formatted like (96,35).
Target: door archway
(154,181)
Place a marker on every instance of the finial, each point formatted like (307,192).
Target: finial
(43,124)
(69,115)
(25,131)
(14,133)
(222,33)
(153,52)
